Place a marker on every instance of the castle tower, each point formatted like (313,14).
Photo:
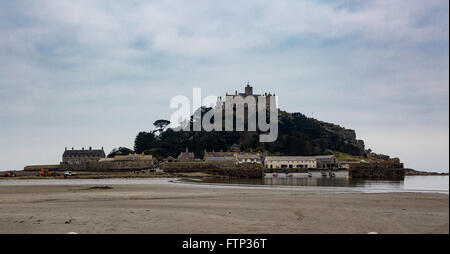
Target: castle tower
(248,89)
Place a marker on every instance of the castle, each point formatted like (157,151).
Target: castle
(248,93)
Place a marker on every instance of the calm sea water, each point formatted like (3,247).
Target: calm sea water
(411,183)
(340,182)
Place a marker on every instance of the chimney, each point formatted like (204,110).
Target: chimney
(72,148)
(65,148)
(82,148)
(102,147)
(90,148)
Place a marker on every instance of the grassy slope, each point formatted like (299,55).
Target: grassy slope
(347,157)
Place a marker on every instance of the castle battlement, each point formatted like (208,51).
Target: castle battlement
(248,91)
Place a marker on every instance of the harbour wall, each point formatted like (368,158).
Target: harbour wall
(225,168)
(388,170)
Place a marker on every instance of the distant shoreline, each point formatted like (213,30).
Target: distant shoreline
(22,174)
(28,175)
(413,172)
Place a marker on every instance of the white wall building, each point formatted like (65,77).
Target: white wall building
(323,161)
(248,158)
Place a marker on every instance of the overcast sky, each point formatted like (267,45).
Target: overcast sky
(95,73)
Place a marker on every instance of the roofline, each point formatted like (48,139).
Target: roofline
(299,157)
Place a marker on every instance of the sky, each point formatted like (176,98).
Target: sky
(95,73)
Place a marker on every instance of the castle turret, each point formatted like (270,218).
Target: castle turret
(248,89)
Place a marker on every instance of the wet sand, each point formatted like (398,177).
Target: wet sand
(183,208)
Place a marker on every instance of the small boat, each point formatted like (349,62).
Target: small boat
(309,174)
(287,174)
(323,173)
(274,174)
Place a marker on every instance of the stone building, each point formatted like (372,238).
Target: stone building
(123,162)
(218,156)
(248,158)
(95,160)
(186,156)
(327,161)
(234,156)
(77,159)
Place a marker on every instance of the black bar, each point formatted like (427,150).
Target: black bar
(227,243)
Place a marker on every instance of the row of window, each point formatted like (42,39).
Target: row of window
(291,166)
(252,160)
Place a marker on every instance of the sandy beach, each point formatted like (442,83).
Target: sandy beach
(183,208)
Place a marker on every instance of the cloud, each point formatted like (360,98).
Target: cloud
(103,66)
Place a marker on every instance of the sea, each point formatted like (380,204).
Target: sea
(432,184)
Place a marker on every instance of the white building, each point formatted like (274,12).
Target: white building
(323,161)
(248,158)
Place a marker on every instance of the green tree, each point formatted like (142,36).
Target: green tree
(161,124)
(120,151)
(298,135)
(144,141)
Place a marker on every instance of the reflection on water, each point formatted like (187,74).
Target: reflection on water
(411,183)
(341,182)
